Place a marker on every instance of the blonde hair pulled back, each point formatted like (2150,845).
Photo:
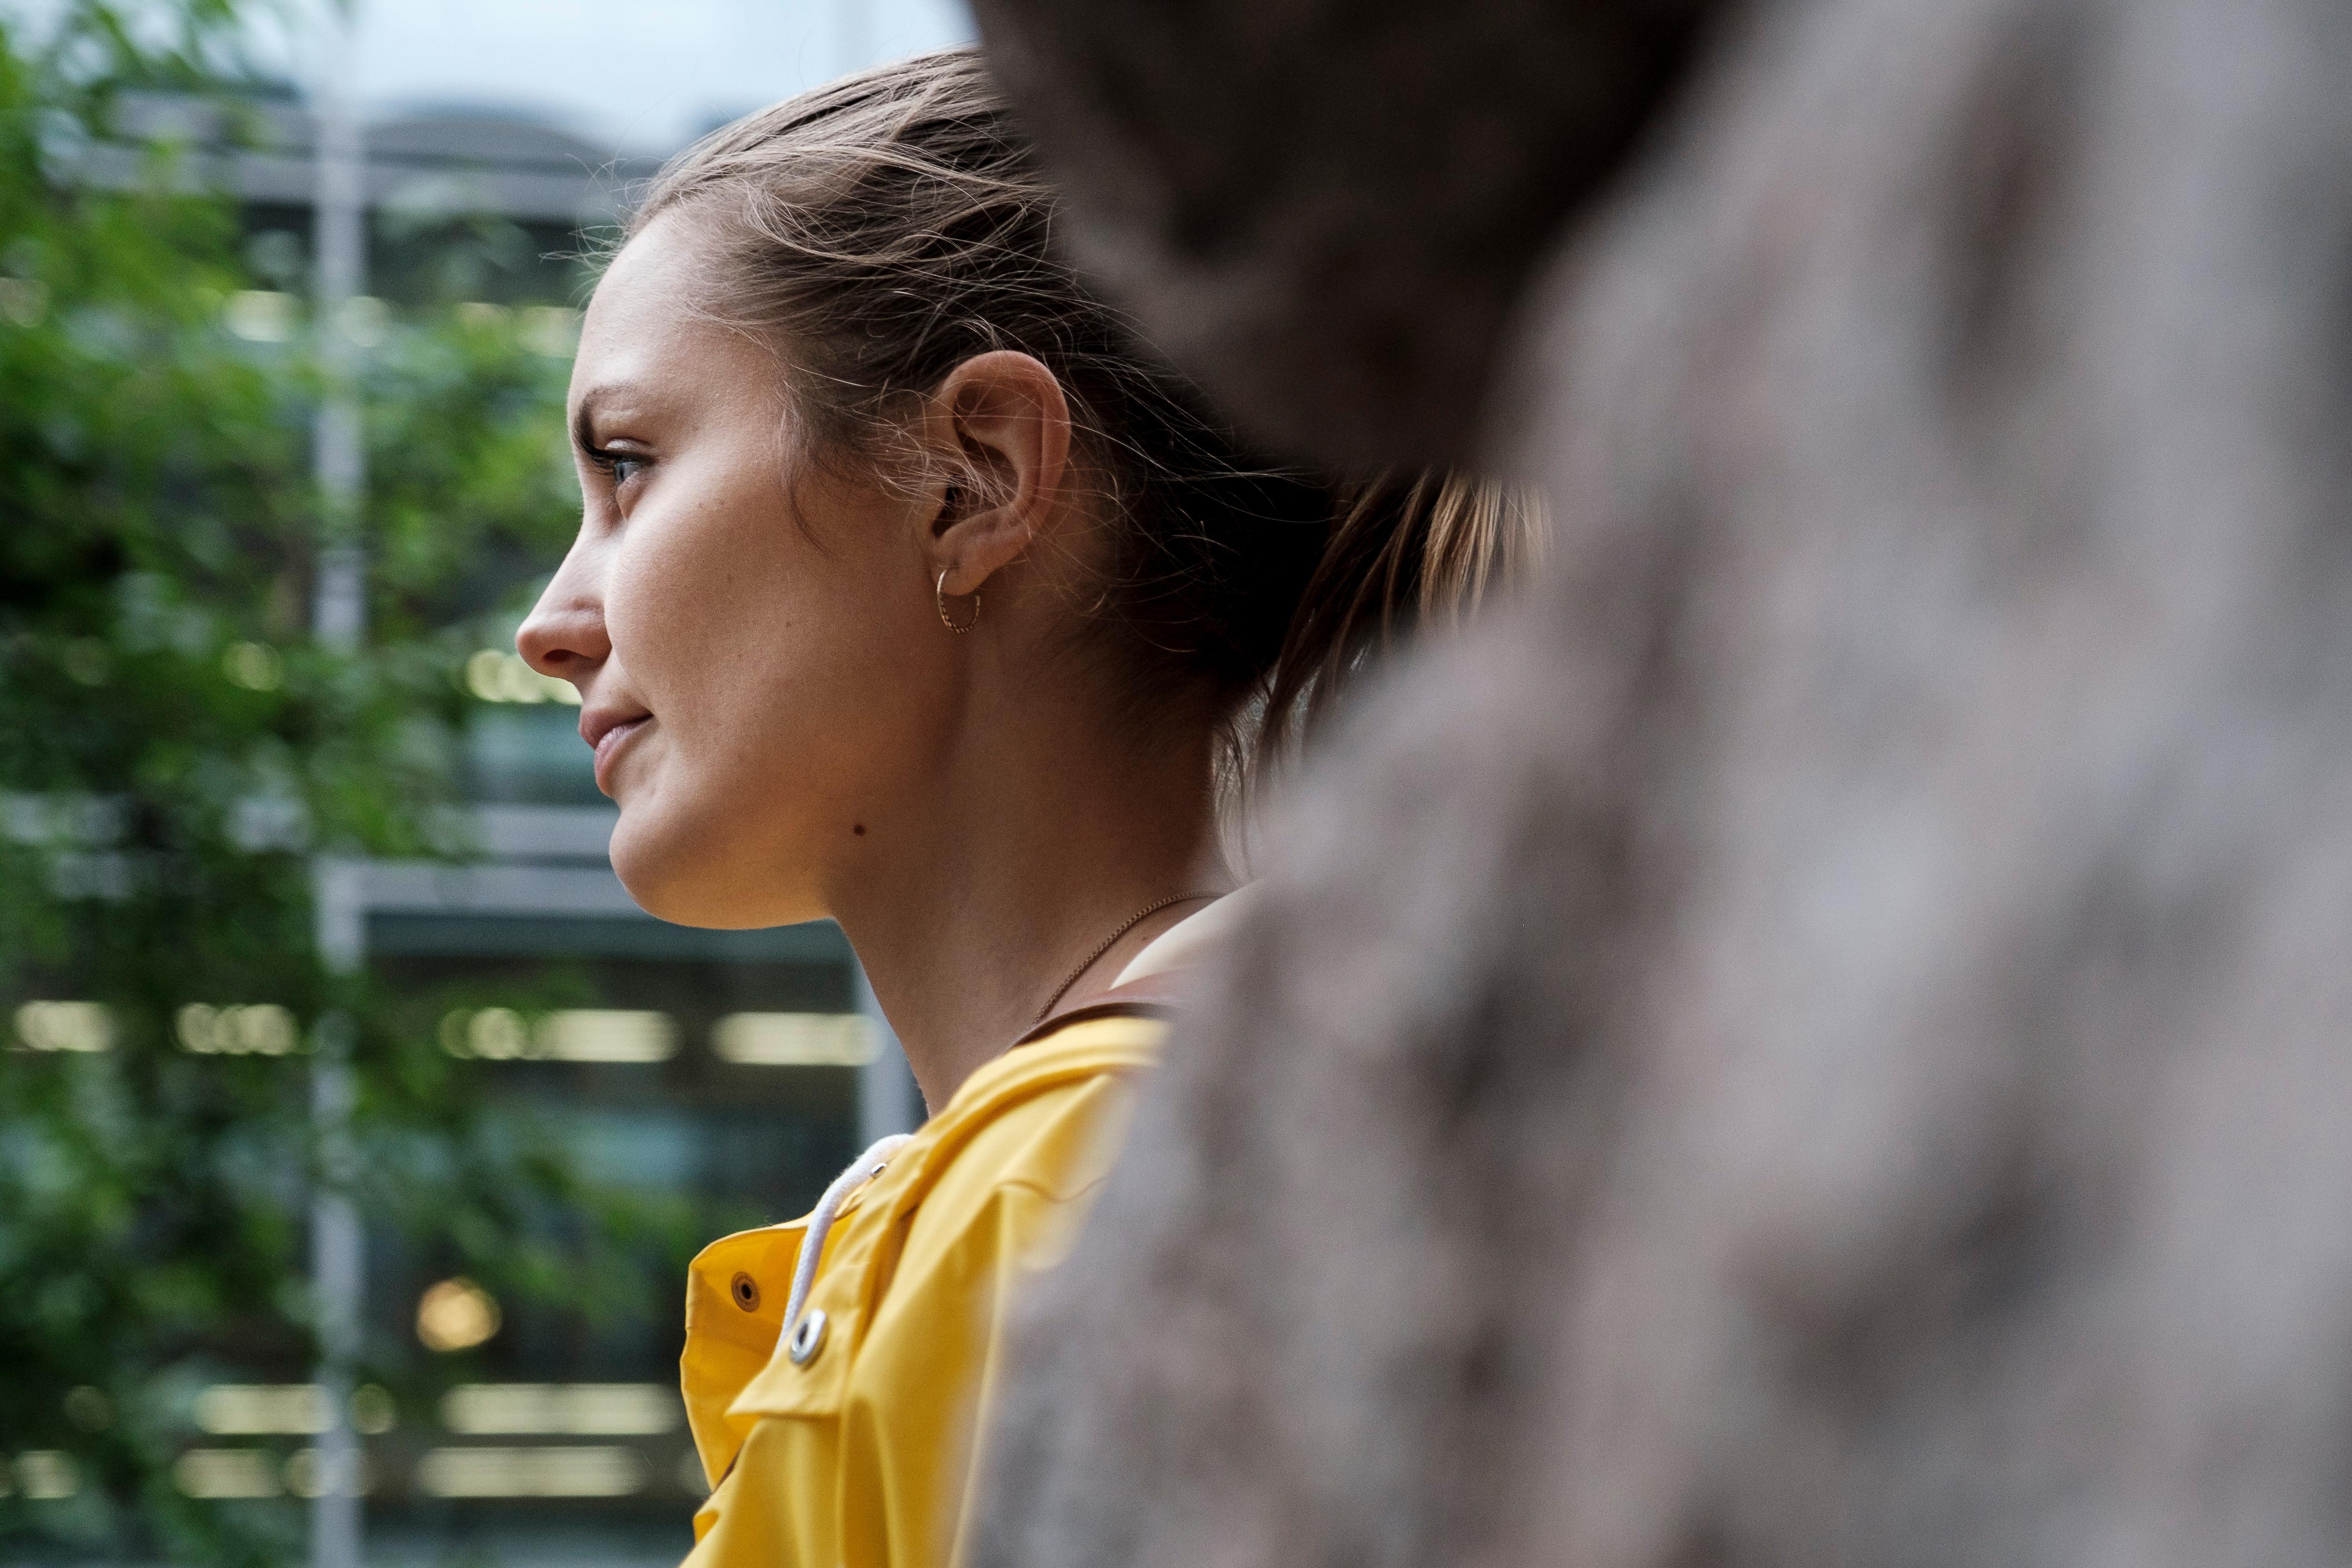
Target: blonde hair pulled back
(888,227)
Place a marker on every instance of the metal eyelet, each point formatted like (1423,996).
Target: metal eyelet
(746,1291)
(808,1337)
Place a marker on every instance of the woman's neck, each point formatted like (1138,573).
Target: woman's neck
(1036,840)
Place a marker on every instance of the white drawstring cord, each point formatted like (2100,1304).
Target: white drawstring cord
(862,1169)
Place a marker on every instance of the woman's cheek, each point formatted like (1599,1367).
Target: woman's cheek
(657,615)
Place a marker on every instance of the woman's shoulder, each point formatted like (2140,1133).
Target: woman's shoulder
(1047,1116)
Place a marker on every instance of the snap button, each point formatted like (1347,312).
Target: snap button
(807,1335)
(746,1291)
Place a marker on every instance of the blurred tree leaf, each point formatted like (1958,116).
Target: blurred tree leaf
(176,749)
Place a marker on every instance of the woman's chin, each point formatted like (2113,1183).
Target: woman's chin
(690,874)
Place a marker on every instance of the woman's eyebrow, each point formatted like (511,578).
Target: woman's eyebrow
(584,418)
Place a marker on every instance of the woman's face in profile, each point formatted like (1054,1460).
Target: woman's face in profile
(754,642)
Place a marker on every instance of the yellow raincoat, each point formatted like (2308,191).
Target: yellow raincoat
(853,1445)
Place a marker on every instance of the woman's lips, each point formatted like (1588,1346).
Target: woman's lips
(610,742)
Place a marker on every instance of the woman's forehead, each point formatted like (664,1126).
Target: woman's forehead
(645,288)
(642,328)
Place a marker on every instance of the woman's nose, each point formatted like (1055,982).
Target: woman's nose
(564,636)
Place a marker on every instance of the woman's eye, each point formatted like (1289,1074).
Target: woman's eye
(618,468)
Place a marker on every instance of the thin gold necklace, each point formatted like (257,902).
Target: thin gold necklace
(1129,923)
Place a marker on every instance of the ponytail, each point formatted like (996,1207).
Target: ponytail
(1406,551)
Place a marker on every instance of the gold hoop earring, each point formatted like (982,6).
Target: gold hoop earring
(939,593)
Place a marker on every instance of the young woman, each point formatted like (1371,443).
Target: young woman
(913,591)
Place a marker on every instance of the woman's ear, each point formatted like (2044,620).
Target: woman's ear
(1007,425)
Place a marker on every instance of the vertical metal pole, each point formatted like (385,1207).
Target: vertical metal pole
(888,1100)
(336,1265)
(339,621)
(339,605)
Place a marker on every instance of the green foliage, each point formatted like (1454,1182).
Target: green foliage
(177,750)
(472,486)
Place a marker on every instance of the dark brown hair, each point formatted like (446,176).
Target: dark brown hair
(895,224)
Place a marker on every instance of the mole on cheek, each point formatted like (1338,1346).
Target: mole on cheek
(858,828)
